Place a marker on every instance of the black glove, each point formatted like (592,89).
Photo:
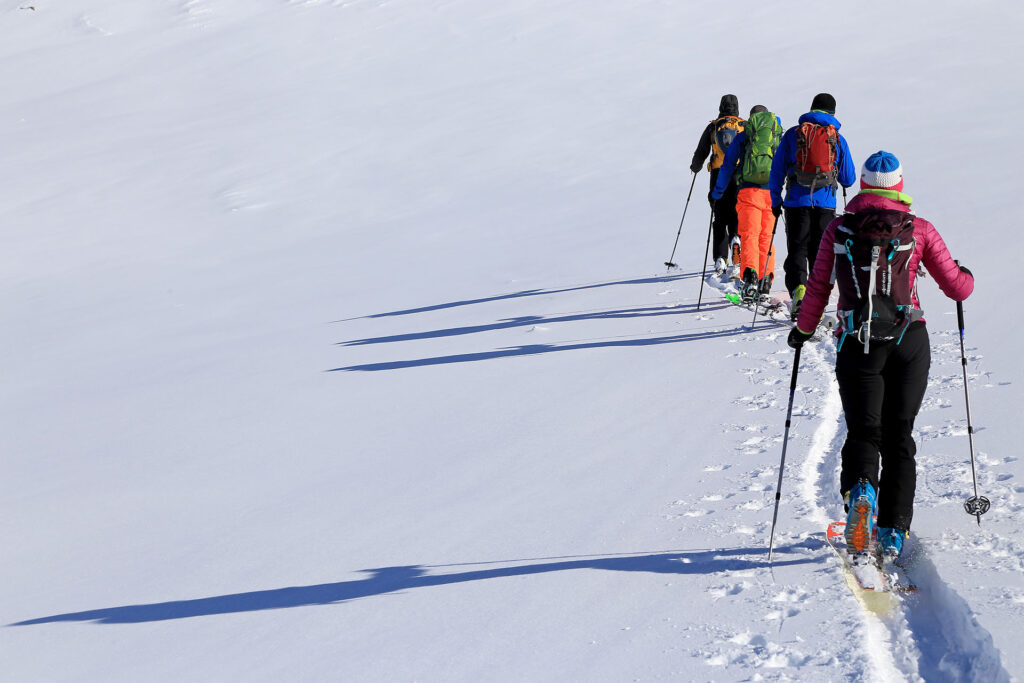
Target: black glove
(711,199)
(963,269)
(695,167)
(797,337)
(776,210)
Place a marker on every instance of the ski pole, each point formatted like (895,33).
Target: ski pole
(706,248)
(760,283)
(785,442)
(975,505)
(844,200)
(669,263)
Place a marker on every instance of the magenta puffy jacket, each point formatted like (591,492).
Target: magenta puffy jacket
(929,249)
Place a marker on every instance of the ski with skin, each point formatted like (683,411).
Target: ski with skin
(776,308)
(875,586)
(765,307)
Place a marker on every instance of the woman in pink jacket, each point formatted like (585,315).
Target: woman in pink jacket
(882,385)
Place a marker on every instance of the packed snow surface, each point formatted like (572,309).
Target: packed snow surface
(338,344)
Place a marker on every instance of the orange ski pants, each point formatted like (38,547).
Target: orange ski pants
(754,211)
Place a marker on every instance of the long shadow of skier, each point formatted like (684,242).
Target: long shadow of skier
(523,321)
(525,293)
(533,349)
(393,579)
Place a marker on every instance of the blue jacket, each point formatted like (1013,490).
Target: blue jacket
(785,160)
(733,158)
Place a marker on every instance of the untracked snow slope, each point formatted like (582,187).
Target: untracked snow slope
(337,344)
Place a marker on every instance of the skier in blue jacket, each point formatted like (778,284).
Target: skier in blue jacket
(808,210)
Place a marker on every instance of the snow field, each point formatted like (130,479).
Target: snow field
(338,346)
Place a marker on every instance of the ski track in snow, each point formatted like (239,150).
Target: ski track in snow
(932,634)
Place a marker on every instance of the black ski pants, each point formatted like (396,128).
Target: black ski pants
(725,220)
(882,392)
(804,227)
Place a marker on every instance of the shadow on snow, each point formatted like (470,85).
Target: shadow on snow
(393,579)
(523,321)
(525,293)
(533,349)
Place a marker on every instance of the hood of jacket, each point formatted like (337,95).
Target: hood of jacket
(866,201)
(821,118)
(729,106)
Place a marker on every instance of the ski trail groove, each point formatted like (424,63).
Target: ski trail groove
(932,634)
(888,658)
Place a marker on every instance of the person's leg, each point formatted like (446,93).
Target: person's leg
(766,259)
(797,228)
(749,215)
(906,377)
(731,219)
(719,224)
(862,391)
(819,219)
(719,234)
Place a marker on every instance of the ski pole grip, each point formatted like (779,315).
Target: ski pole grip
(959,306)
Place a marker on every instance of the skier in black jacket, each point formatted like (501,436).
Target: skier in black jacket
(714,141)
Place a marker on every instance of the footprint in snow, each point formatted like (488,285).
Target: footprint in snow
(734,589)
(759,402)
(781,614)
(795,594)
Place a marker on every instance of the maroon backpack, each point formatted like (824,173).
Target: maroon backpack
(872,270)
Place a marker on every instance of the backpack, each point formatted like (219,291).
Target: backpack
(725,129)
(764,133)
(872,268)
(816,148)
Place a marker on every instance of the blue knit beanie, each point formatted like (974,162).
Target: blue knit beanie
(882,171)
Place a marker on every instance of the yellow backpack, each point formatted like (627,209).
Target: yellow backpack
(725,130)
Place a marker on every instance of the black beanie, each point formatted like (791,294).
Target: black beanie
(729,106)
(824,102)
(757,108)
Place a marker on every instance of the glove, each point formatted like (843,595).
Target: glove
(712,198)
(797,337)
(963,269)
(776,210)
(695,167)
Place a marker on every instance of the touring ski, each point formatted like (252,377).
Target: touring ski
(875,584)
